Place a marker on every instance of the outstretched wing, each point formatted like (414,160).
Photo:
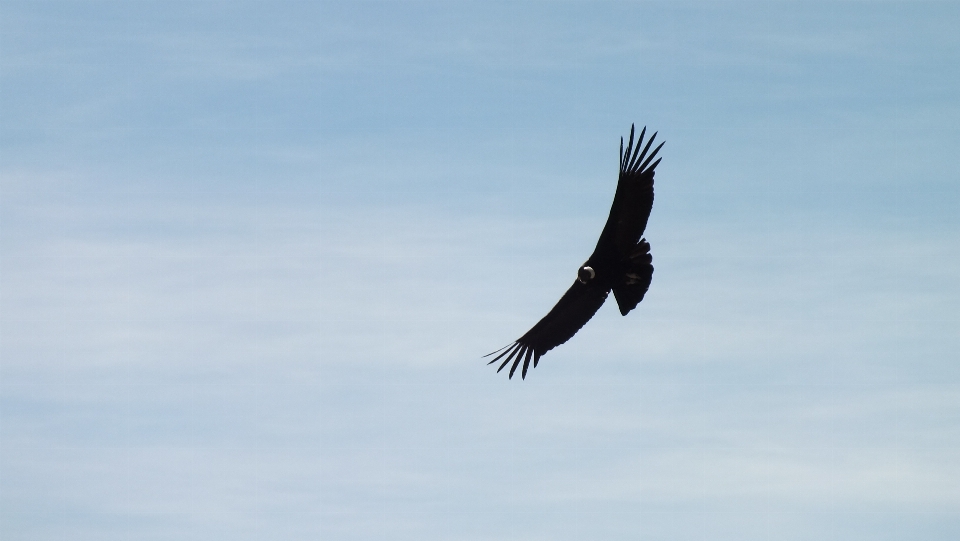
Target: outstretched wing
(632,202)
(571,312)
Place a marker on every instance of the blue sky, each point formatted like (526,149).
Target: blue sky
(252,252)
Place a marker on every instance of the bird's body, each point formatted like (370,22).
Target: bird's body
(621,263)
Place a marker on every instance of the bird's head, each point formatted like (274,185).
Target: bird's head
(585,274)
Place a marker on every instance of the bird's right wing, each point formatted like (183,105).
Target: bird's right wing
(571,312)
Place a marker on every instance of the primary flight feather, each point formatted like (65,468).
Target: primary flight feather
(621,262)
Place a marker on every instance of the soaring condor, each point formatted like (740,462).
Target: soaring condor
(621,262)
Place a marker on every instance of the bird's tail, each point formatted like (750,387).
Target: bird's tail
(637,279)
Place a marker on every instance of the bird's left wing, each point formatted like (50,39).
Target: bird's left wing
(632,202)
(571,312)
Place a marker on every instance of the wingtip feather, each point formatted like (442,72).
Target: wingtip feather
(526,363)
(643,167)
(626,155)
(499,350)
(633,160)
(512,346)
(633,165)
(654,166)
(516,361)
(515,353)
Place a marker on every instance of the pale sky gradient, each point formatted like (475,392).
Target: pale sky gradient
(251,254)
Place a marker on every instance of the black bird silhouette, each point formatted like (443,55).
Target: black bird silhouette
(621,262)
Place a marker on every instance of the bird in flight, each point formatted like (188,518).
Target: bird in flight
(621,262)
